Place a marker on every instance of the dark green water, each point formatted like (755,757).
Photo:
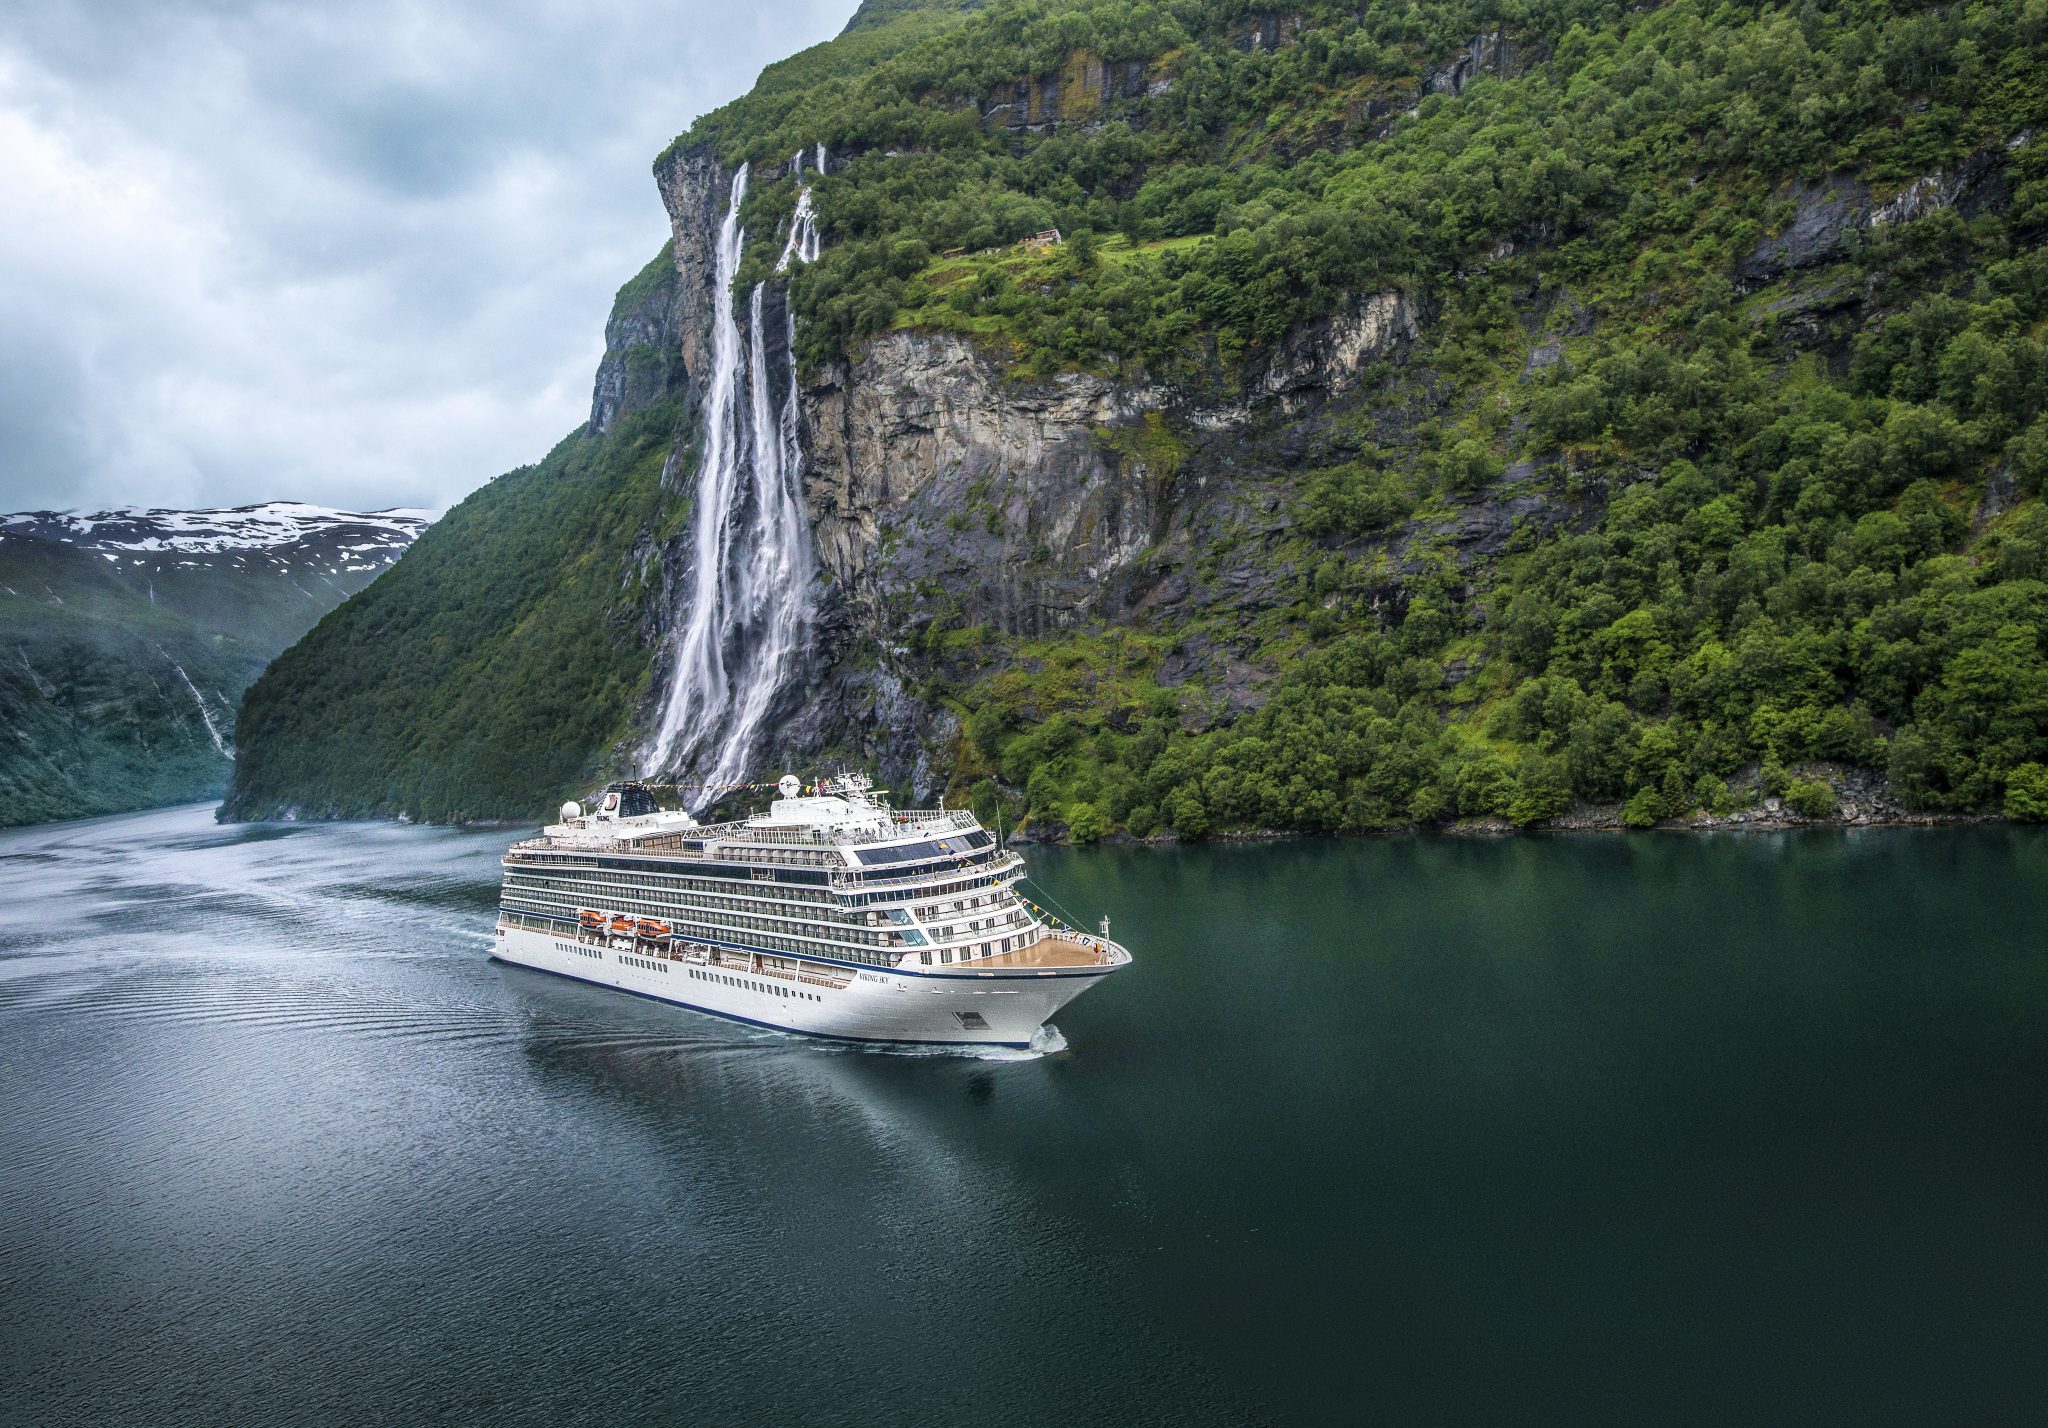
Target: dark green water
(1647,1129)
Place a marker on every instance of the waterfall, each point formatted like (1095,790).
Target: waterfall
(220,745)
(802,244)
(749,613)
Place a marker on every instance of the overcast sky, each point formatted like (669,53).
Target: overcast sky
(354,254)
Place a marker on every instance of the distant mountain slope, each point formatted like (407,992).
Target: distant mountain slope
(127,638)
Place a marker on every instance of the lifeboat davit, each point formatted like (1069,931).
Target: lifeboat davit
(653,931)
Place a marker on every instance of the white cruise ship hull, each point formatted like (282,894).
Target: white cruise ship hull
(965,1007)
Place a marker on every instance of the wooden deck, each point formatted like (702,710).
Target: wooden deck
(1048,953)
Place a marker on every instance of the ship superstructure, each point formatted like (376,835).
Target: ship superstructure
(832,914)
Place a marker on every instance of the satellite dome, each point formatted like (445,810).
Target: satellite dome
(571,811)
(790,785)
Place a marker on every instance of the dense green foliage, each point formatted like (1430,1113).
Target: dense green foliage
(1792,555)
(490,668)
(1275,156)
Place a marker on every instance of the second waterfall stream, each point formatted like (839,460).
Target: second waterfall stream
(748,593)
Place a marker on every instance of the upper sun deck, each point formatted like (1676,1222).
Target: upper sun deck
(893,826)
(840,825)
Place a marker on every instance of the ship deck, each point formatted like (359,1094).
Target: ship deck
(1048,953)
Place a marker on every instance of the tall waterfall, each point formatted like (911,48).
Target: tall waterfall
(749,614)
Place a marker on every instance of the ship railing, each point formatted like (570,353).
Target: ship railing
(800,837)
(1113,954)
(935,819)
(659,842)
(995,867)
(586,843)
(766,965)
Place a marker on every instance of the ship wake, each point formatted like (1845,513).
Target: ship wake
(1046,1041)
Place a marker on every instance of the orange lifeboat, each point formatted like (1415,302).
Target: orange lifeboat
(621,924)
(591,921)
(653,931)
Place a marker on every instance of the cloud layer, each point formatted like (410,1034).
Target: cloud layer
(357,254)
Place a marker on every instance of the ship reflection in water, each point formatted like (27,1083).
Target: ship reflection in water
(1407,1129)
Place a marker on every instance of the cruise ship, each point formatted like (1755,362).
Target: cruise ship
(830,915)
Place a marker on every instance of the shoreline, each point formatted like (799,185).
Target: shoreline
(1588,821)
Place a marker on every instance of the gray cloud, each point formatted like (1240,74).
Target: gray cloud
(357,254)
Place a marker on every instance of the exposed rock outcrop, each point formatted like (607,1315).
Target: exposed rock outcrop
(1078,90)
(694,190)
(1491,53)
(643,347)
(937,480)
(1824,215)
(1830,214)
(1972,186)
(1327,356)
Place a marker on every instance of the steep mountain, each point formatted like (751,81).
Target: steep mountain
(1188,416)
(130,635)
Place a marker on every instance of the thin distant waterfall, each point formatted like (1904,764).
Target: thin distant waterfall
(749,614)
(802,245)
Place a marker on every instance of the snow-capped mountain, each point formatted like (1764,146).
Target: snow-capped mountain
(278,534)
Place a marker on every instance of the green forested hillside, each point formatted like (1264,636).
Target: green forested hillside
(504,659)
(1730,346)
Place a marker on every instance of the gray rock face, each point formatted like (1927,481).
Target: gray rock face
(1327,356)
(643,351)
(1824,215)
(1827,216)
(1483,54)
(694,190)
(1972,186)
(938,483)
(1079,91)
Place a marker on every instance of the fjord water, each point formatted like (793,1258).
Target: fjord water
(1647,1128)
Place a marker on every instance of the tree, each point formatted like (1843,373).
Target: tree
(1644,807)
(1542,789)
(2026,793)
(1190,817)
(1809,798)
(1085,822)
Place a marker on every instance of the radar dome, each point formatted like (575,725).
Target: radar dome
(790,786)
(571,811)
